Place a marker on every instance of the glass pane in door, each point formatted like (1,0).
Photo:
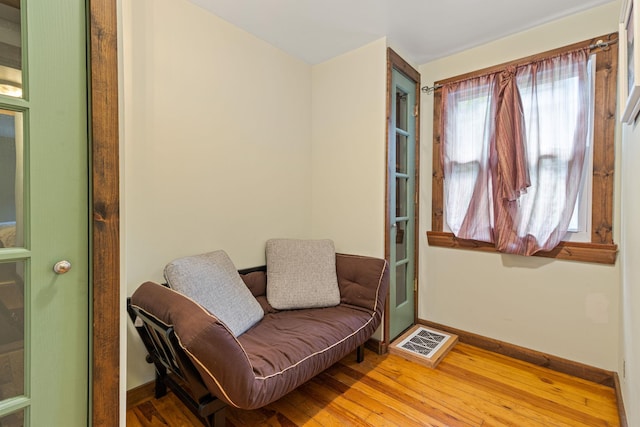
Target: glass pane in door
(11,183)
(11,330)
(401,197)
(401,277)
(15,419)
(10,49)
(401,110)
(401,240)
(401,153)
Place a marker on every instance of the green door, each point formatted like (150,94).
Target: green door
(402,203)
(44,276)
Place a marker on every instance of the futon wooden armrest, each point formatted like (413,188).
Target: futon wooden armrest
(208,342)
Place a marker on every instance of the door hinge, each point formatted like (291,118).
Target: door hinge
(415,110)
(415,284)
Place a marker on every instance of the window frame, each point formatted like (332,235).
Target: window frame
(601,249)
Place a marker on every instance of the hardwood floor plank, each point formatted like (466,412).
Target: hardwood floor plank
(294,414)
(386,408)
(528,400)
(344,413)
(174,413)
(387,386)
(148,414)
(450,381)
(310,408)
(461,398)
(417,404)
(542,393)
(470,387)
(511,368)
(365,409)
(594,399)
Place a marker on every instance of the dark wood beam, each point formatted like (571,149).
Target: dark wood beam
(106,201)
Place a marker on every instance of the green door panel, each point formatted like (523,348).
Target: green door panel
(51,215)
(402,148)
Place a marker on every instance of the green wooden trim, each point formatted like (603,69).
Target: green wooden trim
(14,404)
(13,104)
(14,254)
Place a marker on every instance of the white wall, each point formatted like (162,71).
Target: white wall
(217,144)
(558,307)
(630,260)
(348,154)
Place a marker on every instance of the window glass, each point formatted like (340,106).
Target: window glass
(11,185)
(15,419)
(401,197)
(401,277)
(401,110)
(401,153)
(11,329)
(10,49)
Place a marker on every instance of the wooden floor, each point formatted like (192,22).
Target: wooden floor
(470,387)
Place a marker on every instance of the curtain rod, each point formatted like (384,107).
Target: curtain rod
(600,44)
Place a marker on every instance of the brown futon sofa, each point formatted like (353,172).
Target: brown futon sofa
(208,367)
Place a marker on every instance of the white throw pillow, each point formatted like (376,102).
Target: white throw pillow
(213,281)
(301,274)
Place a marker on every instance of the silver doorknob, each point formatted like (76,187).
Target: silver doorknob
(62,267)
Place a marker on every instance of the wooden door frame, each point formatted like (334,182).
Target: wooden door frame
(105,220)
(395,61)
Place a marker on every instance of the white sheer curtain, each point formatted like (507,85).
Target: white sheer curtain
(520,199)
(467,124)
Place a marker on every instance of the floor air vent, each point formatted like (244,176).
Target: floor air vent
(426,346)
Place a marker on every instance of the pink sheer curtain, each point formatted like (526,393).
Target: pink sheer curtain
(514,145)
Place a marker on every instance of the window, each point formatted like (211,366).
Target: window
(591,225)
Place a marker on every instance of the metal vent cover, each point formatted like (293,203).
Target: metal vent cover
(424,342)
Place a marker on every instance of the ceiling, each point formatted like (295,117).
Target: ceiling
(421,30)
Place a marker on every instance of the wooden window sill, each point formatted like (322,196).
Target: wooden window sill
(572,251)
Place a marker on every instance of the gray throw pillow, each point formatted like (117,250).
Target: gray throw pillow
(301,274)
(213,281)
